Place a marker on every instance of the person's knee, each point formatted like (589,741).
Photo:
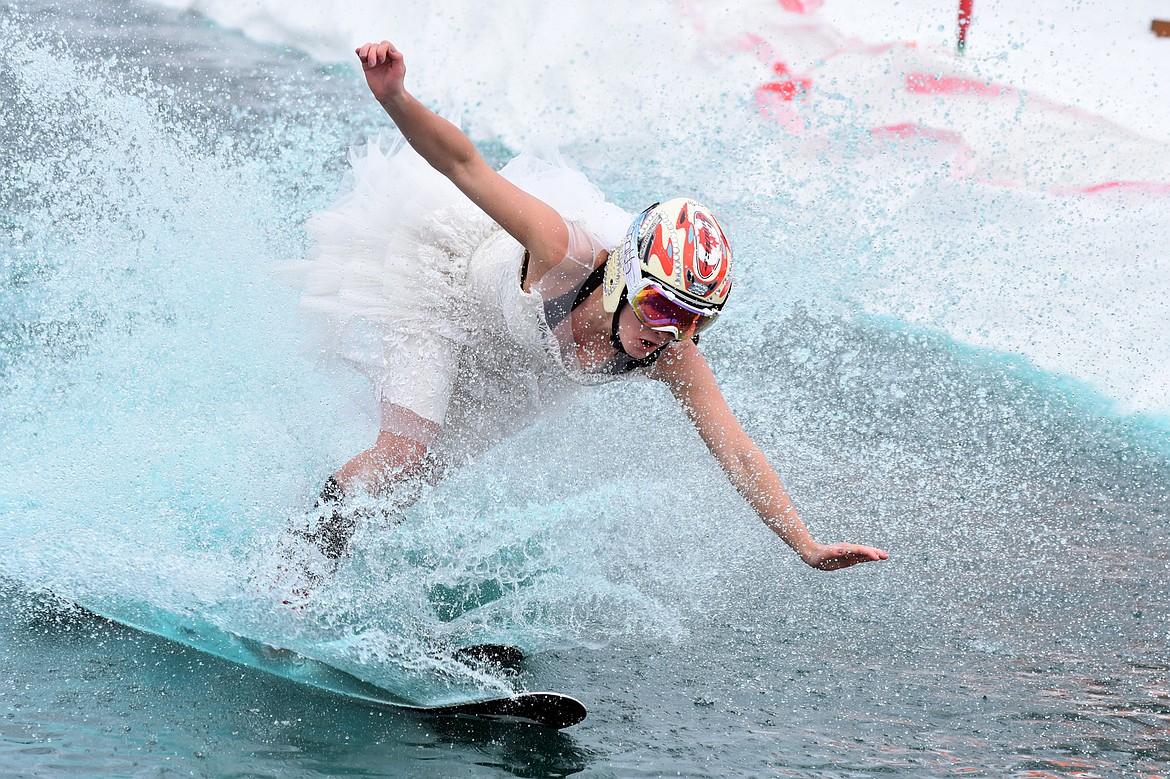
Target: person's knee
(392,459)
(398,458)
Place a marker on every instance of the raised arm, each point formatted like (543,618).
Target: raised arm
(535,224)
(690,379)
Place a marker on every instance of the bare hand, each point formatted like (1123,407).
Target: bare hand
(830,557)
(384,67)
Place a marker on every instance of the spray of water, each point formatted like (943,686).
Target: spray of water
(163,426)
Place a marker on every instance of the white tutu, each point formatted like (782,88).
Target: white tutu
(386,278)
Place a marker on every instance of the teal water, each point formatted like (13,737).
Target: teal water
(161,424)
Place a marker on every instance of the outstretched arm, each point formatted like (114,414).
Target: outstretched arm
(686,372)
(535,224)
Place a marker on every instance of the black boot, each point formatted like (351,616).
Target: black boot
(335,526)
(331,525)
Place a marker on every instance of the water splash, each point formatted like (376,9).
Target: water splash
(163,425)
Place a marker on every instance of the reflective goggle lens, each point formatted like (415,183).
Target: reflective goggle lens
(659,312)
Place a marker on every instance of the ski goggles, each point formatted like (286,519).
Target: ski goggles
(659,307)
(658,310)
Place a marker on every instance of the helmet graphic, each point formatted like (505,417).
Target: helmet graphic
(674,268)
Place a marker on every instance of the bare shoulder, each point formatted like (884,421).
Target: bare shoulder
(569,243)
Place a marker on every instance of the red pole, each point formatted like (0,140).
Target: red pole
(965,7)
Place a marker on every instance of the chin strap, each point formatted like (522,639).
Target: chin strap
(623,362)
(614,338)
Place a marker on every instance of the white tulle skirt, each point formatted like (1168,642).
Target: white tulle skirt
(386,281)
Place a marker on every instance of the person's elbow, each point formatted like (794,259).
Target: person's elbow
(743,464)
